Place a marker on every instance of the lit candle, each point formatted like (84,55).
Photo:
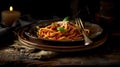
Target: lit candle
(10,16)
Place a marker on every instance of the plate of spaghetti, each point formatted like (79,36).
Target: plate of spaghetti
(62,31)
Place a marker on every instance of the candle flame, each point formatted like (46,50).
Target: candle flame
(11,8)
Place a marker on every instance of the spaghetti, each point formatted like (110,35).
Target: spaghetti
(67,31)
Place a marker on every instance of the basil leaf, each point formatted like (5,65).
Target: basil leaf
(61,29)
(66,18)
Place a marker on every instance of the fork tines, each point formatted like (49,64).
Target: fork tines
(79,23)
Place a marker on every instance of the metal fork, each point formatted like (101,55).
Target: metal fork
(81,27)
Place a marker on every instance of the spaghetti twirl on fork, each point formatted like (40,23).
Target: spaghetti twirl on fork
(61,30)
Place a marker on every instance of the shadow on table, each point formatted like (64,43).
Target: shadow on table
(6,39)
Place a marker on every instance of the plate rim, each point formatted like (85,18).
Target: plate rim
(62,48)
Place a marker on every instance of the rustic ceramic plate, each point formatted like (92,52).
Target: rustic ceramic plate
(98,36)
(30,31)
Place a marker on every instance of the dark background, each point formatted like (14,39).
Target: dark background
(47,9)
(38,8)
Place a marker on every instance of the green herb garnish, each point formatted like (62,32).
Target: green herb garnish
(66,18)
(61,29)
